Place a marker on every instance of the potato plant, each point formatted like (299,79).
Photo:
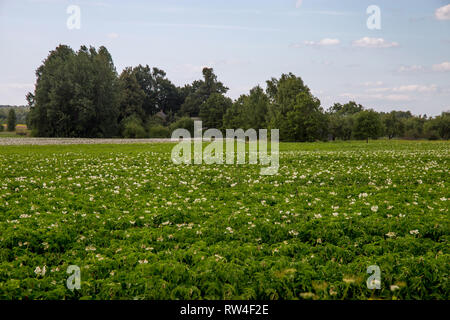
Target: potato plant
(141,227)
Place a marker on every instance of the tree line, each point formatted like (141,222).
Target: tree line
(12,115)
(80,94)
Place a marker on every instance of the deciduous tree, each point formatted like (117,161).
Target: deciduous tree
(11,121)
(367,125)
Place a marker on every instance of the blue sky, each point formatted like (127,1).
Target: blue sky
(404,66)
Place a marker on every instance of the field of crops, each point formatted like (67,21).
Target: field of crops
(141,227)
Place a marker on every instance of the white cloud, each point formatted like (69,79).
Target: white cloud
(329,42)
(191,68)
(350,96)
(378,90)
(443,13)
(323,42)
(373,84)
(367,42)
(377,96)
(402,93)
(406,89)
(413,68)
(416,88)
(396,97)
(210,26)
(194,71)
(298,4)
(440,67)
(317,92)
(112,35)
(444,66)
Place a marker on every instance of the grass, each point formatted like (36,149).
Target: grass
(140,227)
(8,134)
(20,132)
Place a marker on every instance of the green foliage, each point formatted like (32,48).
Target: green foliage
(133,127)
(141,227)
(340,126)
(347,109)
(160,93)
(341,120)
(283,92)
(294,110)
(75,95)
(394,126)
(132,96)
(79,94)
(200,91)
(305,121)
(159,131)
(367,125)
(213,110)
(183,123)
(21,113)
(249,111)
(414,127)
(438,127)
(12,120)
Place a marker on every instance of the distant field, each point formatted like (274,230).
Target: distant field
(10,139)
(21,131)
(141,227)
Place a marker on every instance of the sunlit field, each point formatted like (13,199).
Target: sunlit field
(141,227)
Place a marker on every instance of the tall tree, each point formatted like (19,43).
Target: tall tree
(160,93)
(349,108)
(132,96)
(248,111)
(201,91)
(444,125)
(51,93)
(367,125)
(75,94)
(12,119)
(393,126)
(340,126)
(305,121)
(213,110)
(414,127)
(438,127)
(294,110)
(283,92)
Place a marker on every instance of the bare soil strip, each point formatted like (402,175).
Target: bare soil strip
(68,141)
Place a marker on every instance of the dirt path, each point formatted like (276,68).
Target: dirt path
(66,141)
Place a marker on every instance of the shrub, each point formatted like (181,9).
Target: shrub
(133,128)
(159,131)
(183,123)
